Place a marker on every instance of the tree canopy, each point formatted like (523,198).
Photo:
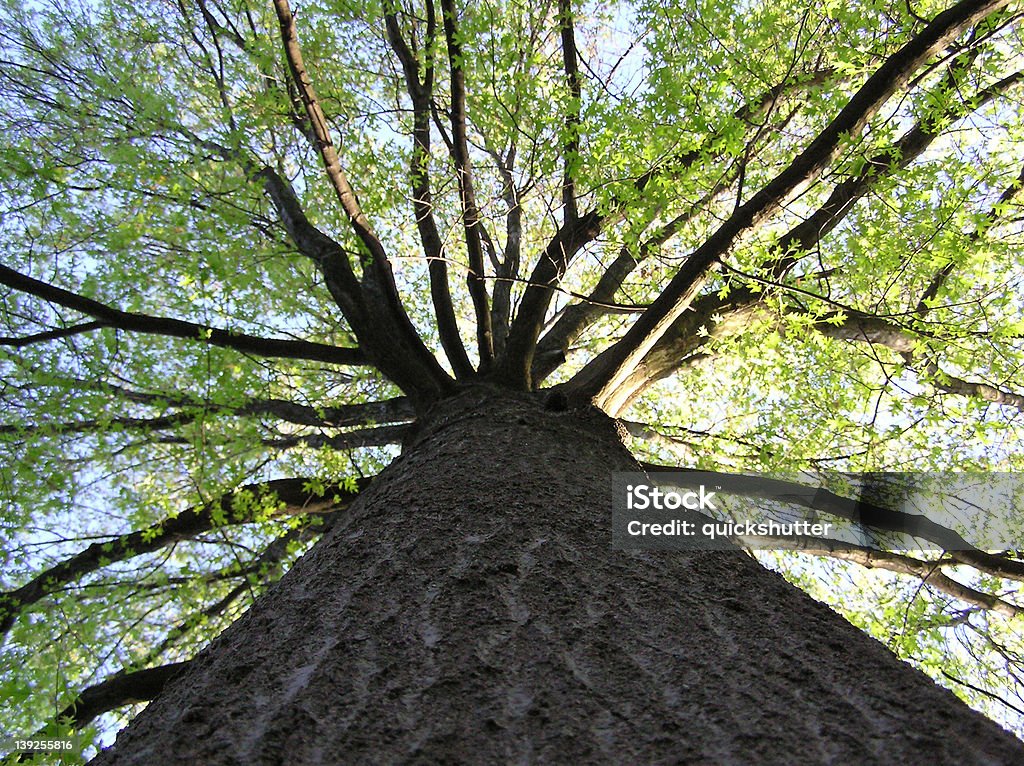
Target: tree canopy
(245,245)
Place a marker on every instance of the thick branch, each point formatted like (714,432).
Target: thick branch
(514,368)
(119,690)
(911,145)
(177,328)
(324,251)
(715,318)
(679,342)
(324,144)
(92,425)
(331,258)
(577,317)
(395,345)
(116,691)
(398,409)
(599,380)
(508,270)
(375,332)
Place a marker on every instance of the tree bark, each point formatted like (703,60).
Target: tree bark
(472,610)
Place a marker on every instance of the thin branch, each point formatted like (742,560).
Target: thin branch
(265,567)
(571,147)
(997,211)
(870,329)
(228,509)
(973,389)
(464,168)
(421,93)
(43,337)
(398,409)
(928,572)
(986,692)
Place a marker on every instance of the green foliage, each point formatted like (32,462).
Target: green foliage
(134,135)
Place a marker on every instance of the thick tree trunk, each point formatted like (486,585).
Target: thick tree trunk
(472,610)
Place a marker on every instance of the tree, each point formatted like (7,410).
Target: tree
(743,237)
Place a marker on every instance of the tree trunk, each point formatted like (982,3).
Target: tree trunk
(472,610)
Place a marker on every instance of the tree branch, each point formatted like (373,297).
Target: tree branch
(871,329)
(324,144)
(324,251)
(678,343)
(132,685)
(391,338)
(860,512)
(398,409)
(725,317)
(571,147)
(599,379)
(119,690)
(508,270)
(266,566)
(378,436)
(973,389)
(464,169)
(577,317)
(42,337)
(421,94)
(177,328)
(911,145)
(520,346)
(996,212)
(515,367)
(928,572)
(292,493)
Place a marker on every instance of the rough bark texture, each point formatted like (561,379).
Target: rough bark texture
(472,611)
